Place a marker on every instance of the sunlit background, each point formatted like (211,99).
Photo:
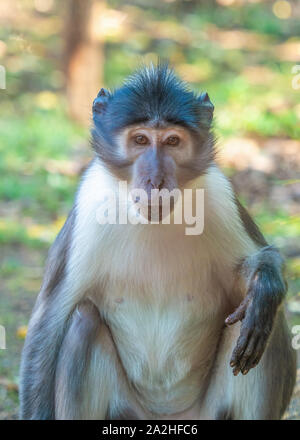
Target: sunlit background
(55,56)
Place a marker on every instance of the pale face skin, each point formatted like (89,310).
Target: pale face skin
(172,141)
(158,156)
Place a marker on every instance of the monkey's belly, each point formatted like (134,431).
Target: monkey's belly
(166,352)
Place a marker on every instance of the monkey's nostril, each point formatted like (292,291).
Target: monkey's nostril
(161,185)
(155,185)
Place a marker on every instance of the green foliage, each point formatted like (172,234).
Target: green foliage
(27,142)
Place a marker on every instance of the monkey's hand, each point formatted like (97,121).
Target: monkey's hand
(257,313)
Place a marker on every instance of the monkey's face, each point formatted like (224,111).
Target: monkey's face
(160,159)
(156,155)
(153,132)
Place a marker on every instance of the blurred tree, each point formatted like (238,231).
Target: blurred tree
(83,57)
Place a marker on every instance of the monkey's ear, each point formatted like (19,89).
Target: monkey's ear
(100,102)
(206,109)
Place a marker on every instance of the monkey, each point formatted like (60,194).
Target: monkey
(144,321)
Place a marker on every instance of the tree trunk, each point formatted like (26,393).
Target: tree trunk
(83,58)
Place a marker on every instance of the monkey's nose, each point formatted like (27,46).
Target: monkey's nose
(156,183)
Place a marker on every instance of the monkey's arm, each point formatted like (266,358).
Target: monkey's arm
(261,274)
(46,329)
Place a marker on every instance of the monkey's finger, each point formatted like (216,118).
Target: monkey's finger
(239,348)
(238,314)
(248,355)
(259,350)
(236,370)
(261,346)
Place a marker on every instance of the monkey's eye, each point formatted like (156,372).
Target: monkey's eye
(141,139)
(172,140)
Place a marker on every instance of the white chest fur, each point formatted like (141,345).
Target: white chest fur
(162,292)
(162,303)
